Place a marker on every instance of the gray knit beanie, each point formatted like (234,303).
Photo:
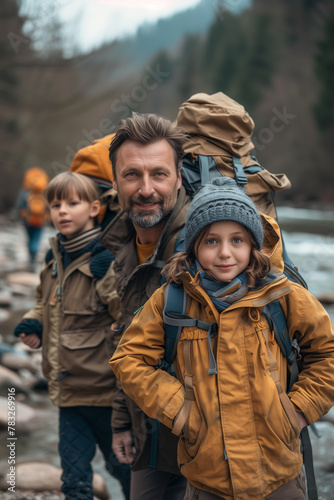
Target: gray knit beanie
(221,199)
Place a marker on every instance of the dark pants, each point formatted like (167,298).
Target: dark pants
(34,238)
(293,490)
(81,428)
(148,484)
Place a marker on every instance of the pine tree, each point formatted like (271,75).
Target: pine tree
(324,67)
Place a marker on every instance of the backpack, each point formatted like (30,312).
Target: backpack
(219,143)
(35,179)
(35,207)
(93,161)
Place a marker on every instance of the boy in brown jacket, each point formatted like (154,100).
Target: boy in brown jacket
(76,305)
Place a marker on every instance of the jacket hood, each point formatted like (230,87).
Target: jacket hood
(273,245)
(121,229)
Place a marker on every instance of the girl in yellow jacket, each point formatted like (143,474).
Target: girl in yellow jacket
(239,431)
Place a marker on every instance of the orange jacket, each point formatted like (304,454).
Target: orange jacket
(238,442)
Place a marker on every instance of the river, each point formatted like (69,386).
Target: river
(309,240)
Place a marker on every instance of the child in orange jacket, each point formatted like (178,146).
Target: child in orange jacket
(239,431)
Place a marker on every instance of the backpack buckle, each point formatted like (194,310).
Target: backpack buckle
(239,173)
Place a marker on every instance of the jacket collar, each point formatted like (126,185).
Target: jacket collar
(273,242)
(81,262)
(276,285)
(121,230)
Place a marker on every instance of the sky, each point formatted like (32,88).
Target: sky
(105,20)
(89,23)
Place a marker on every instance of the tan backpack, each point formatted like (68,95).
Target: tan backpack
(219,143)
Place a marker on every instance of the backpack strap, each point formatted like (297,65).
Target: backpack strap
(189,395)
(179,242)
(204,168)
(178,247)
(175,319)
(174,310)
(286,403)
(275,317)
(312,489)
(154,432)
(240,176)
(290,270)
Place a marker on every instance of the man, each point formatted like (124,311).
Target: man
(146,155)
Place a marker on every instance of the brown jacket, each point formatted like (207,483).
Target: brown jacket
(136,283)
(239,440)
(76,312)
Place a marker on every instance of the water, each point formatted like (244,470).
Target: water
(314,257)
(309,240)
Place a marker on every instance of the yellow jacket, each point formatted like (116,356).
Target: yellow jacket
(238,442)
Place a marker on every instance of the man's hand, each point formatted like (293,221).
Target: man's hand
(32,340)
(123,447)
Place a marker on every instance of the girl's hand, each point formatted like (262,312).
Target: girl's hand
(32,340)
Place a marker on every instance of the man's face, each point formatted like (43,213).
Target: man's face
(147,181)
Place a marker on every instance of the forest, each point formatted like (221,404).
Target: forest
(275,58)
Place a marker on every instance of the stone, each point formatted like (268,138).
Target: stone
(19,360)
(23,278)
(19,290)
(40,476)
(4,315)
(22,283)
(6,300)
(8,378)
(26,418)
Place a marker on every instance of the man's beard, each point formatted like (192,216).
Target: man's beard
(148,218)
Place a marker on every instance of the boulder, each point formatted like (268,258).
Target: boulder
(6,300)
(21,290)
(26,418)
(22,283)
(20,360)
(38,476)
(8,378)
(4,314)
(25,279)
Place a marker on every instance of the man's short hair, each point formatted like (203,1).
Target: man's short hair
(147,129)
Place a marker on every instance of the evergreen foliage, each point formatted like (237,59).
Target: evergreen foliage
(324,67)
